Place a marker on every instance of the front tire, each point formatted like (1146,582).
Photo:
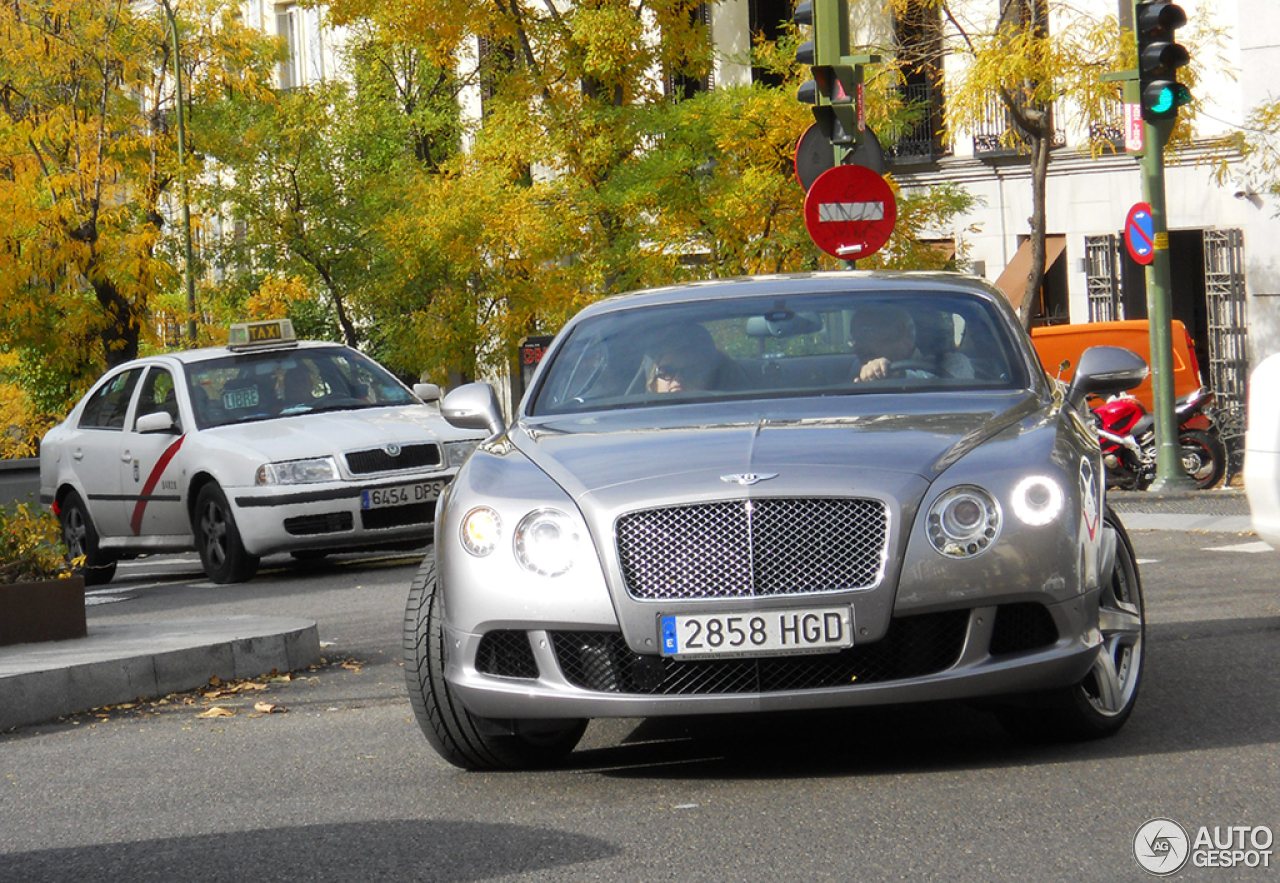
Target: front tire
(463,739)
(1204,456)
(1101,703)
(222,553)
(81,538)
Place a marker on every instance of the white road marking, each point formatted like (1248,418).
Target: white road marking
(1240,547)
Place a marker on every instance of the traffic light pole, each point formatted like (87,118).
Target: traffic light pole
(1170,475)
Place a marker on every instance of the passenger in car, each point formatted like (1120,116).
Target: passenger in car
(687,359)
(884,340)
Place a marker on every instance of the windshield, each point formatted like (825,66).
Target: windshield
(839,343)
(281,383)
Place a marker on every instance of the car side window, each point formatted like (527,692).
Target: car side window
(157,394)
(106,407)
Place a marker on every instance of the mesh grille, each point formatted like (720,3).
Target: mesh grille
(378,460)
(506,654)
(742,548)
(1020,627)
(913,647)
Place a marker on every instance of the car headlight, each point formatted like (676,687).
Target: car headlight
(456,453)
(547,542)
(298,471)
(480,530)
(963,522)
(1037,500)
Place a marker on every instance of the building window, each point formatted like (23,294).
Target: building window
(287,26)
(680,84)
(918,33)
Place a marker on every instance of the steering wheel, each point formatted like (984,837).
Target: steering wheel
(904,365)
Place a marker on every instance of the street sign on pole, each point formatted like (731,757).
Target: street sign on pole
(1140,234)
(850,212)
(815,154)
(1133,127)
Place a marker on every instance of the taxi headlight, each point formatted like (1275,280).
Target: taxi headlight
(1037,500)
(456,453)
(547,542)
(963,522)
(480,530)
(298,471)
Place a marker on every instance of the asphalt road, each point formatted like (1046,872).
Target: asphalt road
(343,787)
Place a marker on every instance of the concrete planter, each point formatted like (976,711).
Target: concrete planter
(50,610)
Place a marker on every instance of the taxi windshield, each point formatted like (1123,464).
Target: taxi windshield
(265,385)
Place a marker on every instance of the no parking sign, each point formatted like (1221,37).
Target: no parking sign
(1140,234)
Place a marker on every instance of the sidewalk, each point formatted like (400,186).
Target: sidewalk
(121,663)
(1223,509)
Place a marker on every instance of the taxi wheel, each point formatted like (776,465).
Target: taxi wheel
(460,737)
(1102,701)
(222,554)
(81,538)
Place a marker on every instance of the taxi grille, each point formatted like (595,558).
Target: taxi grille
(379,460)
(743,548)
(914,646)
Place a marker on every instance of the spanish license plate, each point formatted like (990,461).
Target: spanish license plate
(772,633)
(404,495)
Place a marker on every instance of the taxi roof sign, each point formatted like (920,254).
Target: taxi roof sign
(271,332)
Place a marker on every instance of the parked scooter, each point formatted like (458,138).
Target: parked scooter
(1128,437)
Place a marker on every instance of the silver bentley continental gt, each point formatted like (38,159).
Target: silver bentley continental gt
(776,493)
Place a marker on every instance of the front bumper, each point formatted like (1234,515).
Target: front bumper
(331,516)
(955,654)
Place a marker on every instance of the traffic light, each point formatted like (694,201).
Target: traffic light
(834,87)
(1159,58)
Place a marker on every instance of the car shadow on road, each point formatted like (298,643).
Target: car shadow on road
(336,853)
(1207,686)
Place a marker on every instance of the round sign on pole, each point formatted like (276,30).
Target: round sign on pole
(815,154)
(850,212)
(1140,234)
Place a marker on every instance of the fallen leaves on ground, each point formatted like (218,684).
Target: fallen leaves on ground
(217,711)
(269,708)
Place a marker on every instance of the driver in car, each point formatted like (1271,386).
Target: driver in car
(884,337)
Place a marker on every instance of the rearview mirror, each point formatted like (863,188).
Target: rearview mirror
(474,406)
(156,421)
(1105,370)
(428,392)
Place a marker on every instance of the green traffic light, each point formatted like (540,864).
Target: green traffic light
(1164,103)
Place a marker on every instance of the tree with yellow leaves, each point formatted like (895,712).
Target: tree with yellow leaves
(87,156)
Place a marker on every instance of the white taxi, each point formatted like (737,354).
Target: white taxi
(266,445)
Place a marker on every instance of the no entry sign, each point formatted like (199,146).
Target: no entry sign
(850,212)
(1140,234)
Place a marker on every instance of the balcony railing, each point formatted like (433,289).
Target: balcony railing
(920,143)
(989,137)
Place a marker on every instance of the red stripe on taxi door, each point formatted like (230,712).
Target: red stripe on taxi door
(152,480)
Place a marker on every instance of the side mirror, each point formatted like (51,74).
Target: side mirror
(1105,370)
(428,392)
(474,406)
(156,421)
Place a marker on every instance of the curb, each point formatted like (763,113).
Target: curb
(121,663)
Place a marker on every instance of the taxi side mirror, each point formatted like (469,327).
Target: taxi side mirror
(428,392)
(156,421)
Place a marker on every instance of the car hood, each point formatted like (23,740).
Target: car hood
(306,435)
(871,441)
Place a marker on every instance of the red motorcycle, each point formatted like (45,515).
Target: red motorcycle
(1128,437)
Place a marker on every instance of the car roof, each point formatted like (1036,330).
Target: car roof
(799,283)
(204,354)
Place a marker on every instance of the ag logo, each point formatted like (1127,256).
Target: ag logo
(1161,846)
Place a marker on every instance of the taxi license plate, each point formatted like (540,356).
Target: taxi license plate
(404,495)
(809,630)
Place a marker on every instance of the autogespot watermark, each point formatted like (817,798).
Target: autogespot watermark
(1163,846)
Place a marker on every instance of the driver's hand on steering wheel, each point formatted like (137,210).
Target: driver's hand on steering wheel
(876,369)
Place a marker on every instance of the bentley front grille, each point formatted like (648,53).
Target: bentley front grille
(914,646)
(416,456)
(769,546)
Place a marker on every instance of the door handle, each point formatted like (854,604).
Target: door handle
(77,454)
(126,457)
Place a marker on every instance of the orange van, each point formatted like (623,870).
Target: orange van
(1058,343)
